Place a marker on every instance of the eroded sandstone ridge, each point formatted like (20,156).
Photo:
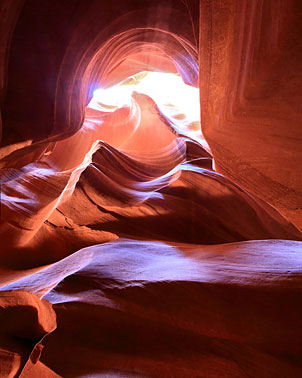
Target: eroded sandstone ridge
(138,237)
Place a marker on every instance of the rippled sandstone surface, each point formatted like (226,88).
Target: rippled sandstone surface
(140,237)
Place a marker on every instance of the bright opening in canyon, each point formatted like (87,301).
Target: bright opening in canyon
(178,103)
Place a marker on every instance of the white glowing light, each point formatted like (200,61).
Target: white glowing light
(165,89)
(178,101)
(170,90)
(111,98)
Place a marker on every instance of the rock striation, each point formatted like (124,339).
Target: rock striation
(136,238)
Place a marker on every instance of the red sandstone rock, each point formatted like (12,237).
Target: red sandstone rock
(24,319)
(153,309)
(250,82)
(209,282)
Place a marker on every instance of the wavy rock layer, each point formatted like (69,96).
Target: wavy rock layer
(122,310)
(129,247)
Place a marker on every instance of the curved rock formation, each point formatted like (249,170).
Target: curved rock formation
(166,244)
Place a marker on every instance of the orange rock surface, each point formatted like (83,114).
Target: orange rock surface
(138,236)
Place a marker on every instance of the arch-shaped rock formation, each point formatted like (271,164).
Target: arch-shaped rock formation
(165,245)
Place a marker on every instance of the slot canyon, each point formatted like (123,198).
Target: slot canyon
(151,188)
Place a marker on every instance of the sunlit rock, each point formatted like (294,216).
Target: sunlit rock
(150,189)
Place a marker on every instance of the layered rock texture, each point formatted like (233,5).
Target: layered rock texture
(138,236)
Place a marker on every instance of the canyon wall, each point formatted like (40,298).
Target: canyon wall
(135,242)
